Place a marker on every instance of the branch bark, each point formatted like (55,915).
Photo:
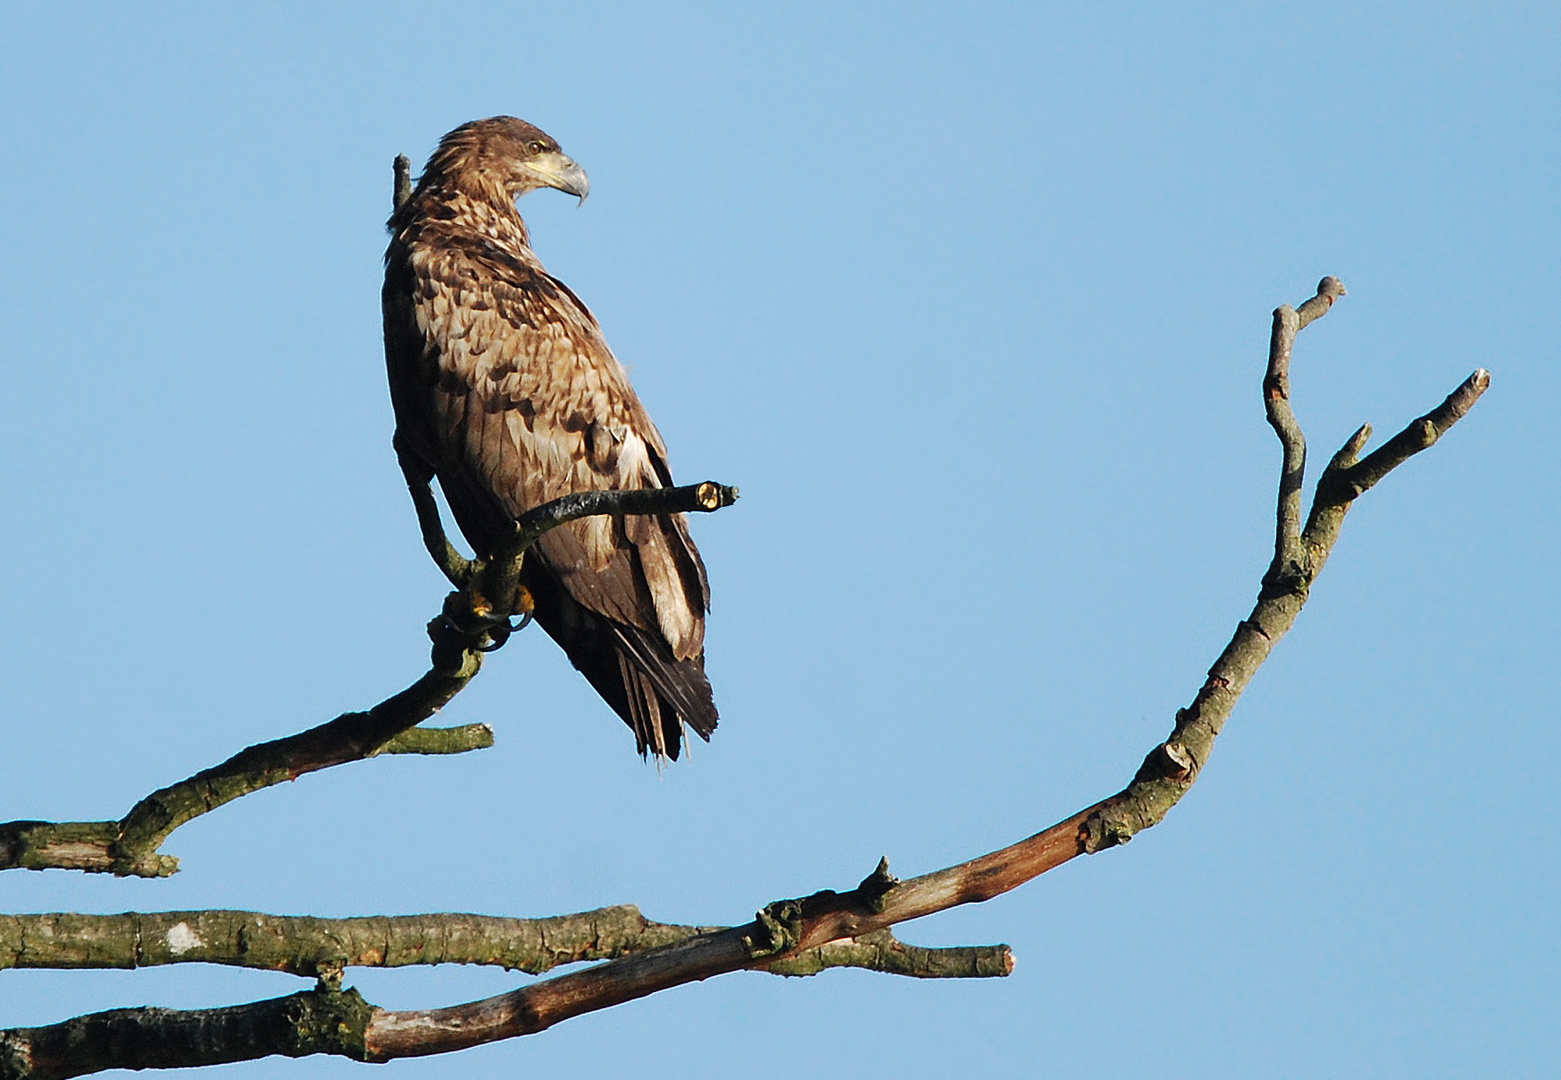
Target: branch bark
(320,948)
(128,847)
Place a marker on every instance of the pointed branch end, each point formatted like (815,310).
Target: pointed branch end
(1349,453)
(149,865)
(1329,289)
(403,185)
(875,886)
(451,740)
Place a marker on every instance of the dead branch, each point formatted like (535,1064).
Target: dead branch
(320,948)
(470,625)
(330,1020)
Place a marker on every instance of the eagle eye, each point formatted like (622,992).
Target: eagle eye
(536,146)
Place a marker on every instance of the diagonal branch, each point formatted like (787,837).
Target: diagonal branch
(1347,479)
(128,847)
(470,625)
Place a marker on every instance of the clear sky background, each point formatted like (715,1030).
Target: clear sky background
(973,304)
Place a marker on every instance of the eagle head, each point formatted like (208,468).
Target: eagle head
(503,153)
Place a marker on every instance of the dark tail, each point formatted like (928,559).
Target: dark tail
(633,670)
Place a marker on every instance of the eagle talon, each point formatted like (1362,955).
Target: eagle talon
(500,633)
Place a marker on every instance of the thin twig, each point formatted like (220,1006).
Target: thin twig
(456,567)
(1288,322)
(1346,479)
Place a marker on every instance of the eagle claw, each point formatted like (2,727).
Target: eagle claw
(499,633)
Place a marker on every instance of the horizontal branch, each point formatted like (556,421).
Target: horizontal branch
(311,1022)
(313,947)
(329,1020)
(320,948)
(702,498)
(450,740)
(493,591)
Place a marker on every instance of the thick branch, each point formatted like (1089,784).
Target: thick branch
(328,1020)
(321,948)
(312,1022)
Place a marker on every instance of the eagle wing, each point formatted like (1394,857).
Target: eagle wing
(505,388)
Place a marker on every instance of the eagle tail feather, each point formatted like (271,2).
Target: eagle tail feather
(680,684)
(633,669)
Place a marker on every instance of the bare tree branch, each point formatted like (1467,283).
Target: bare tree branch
(470,625)
(401,169)
(128,847)
(456,567)
(493,587)
(329,1020)
(451,740)
(320,948)
(1281,417)
(1346,479)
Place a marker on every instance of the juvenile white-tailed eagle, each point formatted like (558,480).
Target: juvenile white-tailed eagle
(504,389)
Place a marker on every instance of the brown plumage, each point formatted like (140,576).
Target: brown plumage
(504,389)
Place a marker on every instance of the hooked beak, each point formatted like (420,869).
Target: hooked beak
(557,170)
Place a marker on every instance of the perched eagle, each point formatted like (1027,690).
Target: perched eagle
(505,389)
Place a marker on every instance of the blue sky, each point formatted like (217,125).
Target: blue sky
(972,303)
